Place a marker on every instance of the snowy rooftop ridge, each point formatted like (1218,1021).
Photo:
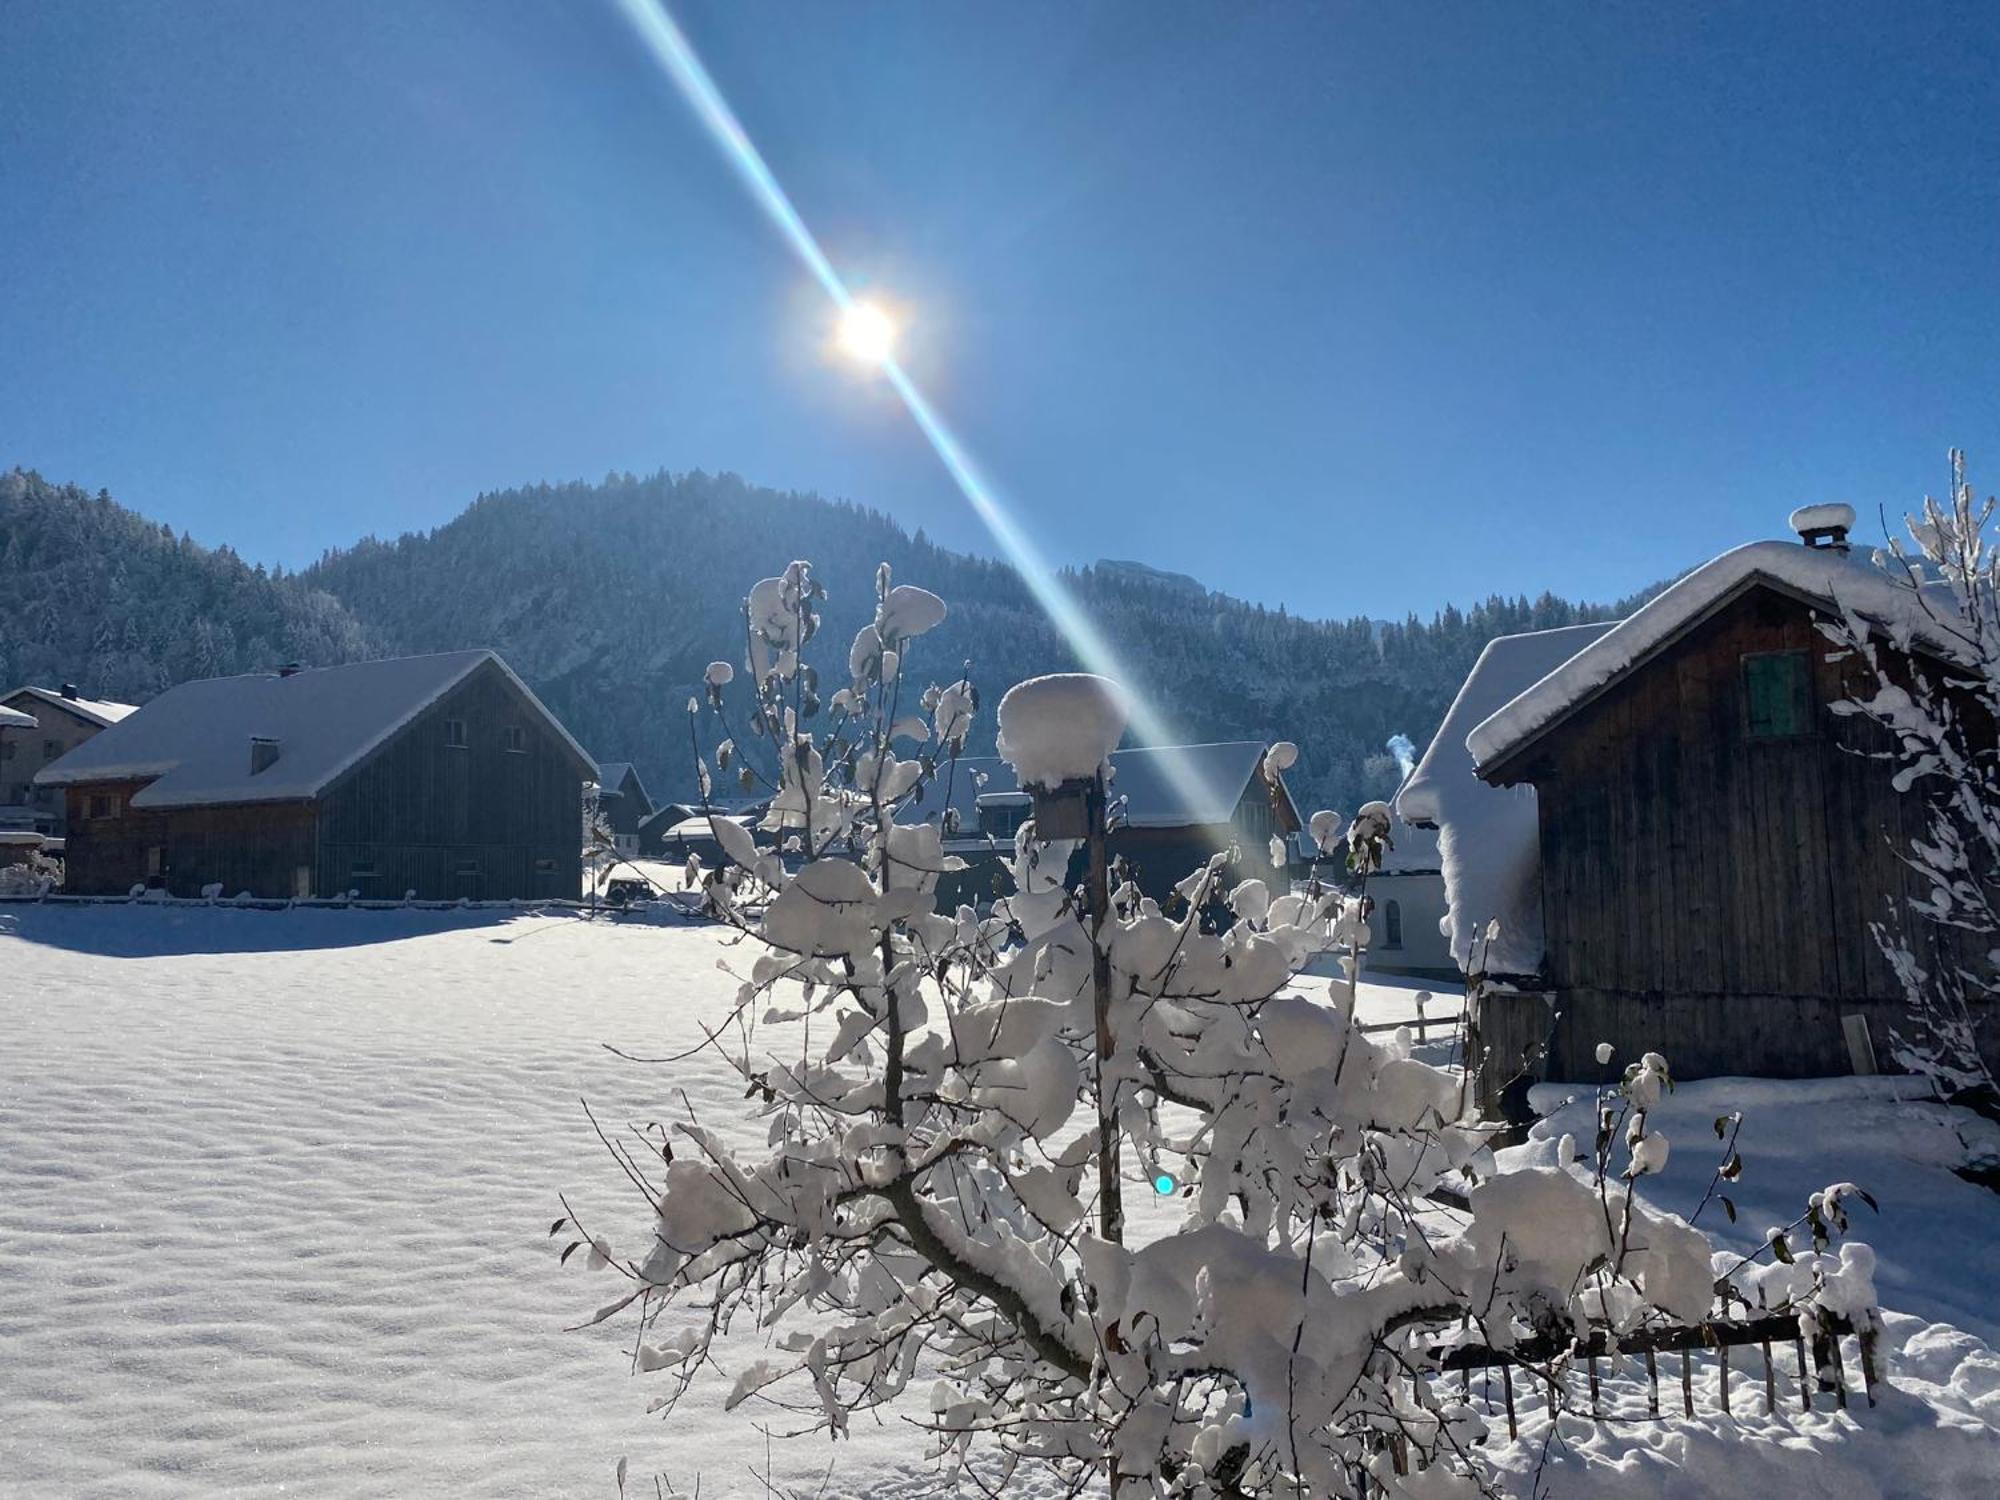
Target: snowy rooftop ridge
(98,710)
(1489,840)
(1822,575)
(193,741)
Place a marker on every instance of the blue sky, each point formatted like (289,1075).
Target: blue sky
(1357,308)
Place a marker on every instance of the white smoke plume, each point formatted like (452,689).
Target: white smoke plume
(1405,750)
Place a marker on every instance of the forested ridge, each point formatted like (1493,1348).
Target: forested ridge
(611,598)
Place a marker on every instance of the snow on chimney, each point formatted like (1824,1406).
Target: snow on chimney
(1824,525)
(290,669)
(263,752)
(69,691)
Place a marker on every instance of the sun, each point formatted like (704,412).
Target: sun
(867,334)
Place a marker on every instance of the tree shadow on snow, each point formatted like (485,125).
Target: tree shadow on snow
(140,930)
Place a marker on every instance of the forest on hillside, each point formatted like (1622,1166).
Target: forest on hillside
(611,598)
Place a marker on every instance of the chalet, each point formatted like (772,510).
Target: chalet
(1673,843)
(622,800)
(1174,806)
(439,775)
(62,719)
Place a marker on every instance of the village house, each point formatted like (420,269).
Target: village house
(61,719)
(1406,908)
(1659,835)
(1174,806)
(623,804)
(658,838)
(439,775)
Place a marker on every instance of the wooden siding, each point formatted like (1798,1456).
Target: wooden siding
(418,808)
(1705,893)
(257,847)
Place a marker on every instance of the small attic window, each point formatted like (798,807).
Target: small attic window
(454,734)
(1777,694)
(514,740)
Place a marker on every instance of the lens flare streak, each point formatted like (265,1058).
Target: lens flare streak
(669,44)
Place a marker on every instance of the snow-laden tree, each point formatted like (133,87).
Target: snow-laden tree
(1127,1204)
(1945,944)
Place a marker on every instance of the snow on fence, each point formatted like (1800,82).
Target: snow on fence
(1550,1359)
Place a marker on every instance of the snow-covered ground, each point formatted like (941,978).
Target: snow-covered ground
(275,1190)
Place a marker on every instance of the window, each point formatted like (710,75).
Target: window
(466,867)
(1777,694)
(514,740)
(545,867)
(1392,925)
(51,749)
(101,805)
(365,870)
(454,734)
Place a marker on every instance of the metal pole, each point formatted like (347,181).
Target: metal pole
(1097,894)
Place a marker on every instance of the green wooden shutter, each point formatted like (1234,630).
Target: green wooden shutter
(1777,693)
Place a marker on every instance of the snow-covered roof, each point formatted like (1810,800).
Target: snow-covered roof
(611,776)
(193,741)
(1413,850)
(13,718)
(1826,576)
(1168,786)
(1488,838)
(100,711)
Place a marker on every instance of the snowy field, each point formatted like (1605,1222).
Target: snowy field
(276,1186)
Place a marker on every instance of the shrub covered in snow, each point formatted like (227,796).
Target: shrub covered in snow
(1945,946)
(970,1094)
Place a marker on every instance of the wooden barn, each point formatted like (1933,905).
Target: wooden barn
(1175,806)
(622,800)
(1705,842)
(439,775)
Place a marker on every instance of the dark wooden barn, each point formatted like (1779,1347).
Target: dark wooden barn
(1710,840)
(439,775)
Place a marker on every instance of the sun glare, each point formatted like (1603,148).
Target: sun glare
(867,334)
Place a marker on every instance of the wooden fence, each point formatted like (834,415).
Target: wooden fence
(1552,1359)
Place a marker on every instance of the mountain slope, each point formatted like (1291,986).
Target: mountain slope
(98,595)
(612,598)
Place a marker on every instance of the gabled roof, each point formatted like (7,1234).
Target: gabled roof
(1489,838)
(100,711)
(1167,786)
(193,741)
(1830,579)
(611,776)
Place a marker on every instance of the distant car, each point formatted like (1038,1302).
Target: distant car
(626,891)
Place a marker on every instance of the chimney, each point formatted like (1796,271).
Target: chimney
(1824,525)
(263,752)
(290,669)
(69,691)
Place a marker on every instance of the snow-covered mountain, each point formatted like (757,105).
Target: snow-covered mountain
(611,598)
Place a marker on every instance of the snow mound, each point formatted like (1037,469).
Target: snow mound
(1061,727)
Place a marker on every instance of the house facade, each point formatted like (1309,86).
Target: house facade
(1709,842)
(1406,908)
(61,719)
(442,776)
